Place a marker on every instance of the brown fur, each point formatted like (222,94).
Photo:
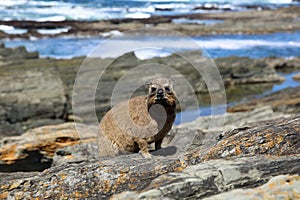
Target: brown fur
(132,125)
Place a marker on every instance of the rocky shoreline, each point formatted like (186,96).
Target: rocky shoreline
(38,91)
(259,141)
(248,22)
(251,151)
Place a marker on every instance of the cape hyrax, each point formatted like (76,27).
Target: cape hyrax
(132,125)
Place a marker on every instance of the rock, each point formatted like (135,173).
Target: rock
(215,176)
(18,53)
(29,98)
(296,77)
(271,149)
(278,187)
(77,153)
(287,101)
(236,70)
(34,150)
(231,121)
(284,64)
(270,139)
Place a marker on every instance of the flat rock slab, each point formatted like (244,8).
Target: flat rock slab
(278,187)
(216,176)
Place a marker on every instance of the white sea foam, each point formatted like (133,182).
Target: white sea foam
(195,21)
(112,33)
(137,15)
(52,31)
(150,53)
(12,30)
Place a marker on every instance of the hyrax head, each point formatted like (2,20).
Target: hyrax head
(160,91)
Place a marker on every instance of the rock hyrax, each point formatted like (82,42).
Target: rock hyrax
(132,125)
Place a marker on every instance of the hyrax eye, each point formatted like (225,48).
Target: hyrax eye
(153,89)
(167,89)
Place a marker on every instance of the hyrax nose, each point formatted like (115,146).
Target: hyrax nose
(160,93)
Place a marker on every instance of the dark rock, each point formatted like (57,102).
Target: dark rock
(287,101)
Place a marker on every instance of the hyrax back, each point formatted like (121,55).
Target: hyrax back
(132,125)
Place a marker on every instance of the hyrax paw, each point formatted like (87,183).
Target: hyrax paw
(146,155)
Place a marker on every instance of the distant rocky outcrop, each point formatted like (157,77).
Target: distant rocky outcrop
(209,165)
(287,101)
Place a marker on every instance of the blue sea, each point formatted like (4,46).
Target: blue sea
(59,10)
(280,44)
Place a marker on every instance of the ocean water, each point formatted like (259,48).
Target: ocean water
(254,46)
(59,10)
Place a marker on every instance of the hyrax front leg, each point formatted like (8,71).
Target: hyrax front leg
(144,150)
(158,144)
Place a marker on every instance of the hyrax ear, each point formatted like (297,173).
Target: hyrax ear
(171,81)
(148,84)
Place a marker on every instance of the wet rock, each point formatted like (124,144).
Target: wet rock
(278,187)
(284,64)
(34,150)
(296,77)
(287,101)
(236,70)
(201,171)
